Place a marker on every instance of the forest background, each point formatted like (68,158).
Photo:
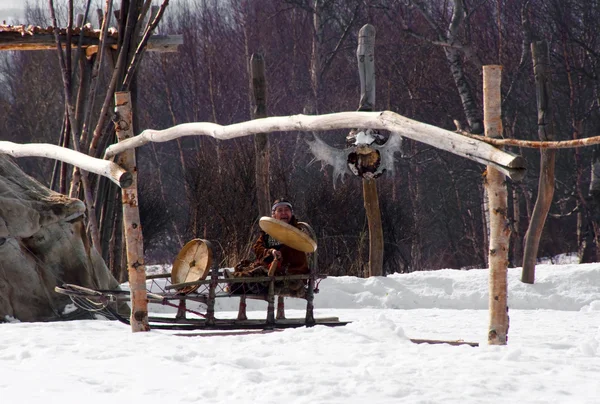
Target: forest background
(429,68)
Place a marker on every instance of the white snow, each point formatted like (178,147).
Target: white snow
(553,353)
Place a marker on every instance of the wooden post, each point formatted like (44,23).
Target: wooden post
(371,203)
(280,308)
(495,183)
(242,308)
(541,58)
(365,54)
(271,303)
(212,294)
(261,140)
(131,219)
(310,298)
(261,150)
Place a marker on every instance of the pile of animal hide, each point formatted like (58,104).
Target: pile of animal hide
(43,244)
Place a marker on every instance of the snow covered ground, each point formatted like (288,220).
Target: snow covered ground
(553,354)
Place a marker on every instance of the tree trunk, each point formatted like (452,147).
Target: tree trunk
(315,59)
(594,197)
(517,239)
(107,220)
(464,90)
(414,188)
(540,57)
(498,206)
(131,221)
(485,222)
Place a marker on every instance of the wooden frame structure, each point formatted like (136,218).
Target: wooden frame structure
(22,38)
(499,162)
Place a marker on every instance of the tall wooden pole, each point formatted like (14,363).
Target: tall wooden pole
(365,54)
(261,140)
(495,183)
(261,152)
(131,219)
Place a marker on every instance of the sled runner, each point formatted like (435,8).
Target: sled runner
(192,280)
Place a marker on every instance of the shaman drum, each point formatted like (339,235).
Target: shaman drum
(287,234)
(193,262)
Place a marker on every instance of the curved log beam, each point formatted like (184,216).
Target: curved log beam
(105,168)
(473,149)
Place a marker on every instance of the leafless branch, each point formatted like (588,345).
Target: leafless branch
(142,45)
(331,56)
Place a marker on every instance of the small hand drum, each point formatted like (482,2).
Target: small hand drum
(193,262)
(287,234)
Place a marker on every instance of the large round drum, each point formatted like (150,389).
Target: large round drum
(287,234)
(193,262)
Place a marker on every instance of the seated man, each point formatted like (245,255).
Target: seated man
(266,250)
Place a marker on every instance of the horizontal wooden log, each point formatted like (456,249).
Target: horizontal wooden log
(473,149)
(104,168)
(36,38)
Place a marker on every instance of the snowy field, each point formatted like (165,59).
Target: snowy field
(553,354)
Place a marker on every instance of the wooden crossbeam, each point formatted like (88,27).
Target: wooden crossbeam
(473,149)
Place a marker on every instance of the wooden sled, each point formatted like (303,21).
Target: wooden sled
(105,303)
(189,281)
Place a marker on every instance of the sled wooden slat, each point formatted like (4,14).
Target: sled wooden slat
(158,276)
(233,324)
(243,280)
